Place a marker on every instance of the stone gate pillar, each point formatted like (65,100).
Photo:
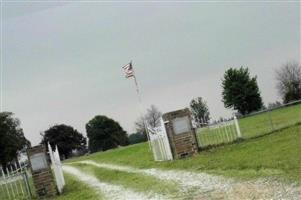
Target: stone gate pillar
(181,134)
(41,172)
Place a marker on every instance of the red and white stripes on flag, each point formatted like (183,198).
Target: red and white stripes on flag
(128,69)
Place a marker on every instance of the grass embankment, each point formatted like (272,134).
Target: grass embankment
(252,126)
(276,155)
(3,193)
(267,122)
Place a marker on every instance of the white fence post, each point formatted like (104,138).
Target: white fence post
(237,127)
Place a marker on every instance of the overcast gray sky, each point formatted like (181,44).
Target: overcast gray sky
(62,61)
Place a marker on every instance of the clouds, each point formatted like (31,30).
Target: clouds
(63,63)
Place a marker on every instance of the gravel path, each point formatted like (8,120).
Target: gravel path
(215,187)
(108,190)
(186,179)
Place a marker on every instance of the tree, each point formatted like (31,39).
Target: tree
(200,111)
(105,133)
(140,127)
(273,105)
(135,138)
(12,138)
(240,91)
(289,81)
(152,117)
(65,137)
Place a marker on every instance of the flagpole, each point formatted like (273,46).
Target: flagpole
(141,109)
(138,92)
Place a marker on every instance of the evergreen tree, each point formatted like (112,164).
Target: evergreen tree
(240,91)
(200,111)
(105,133)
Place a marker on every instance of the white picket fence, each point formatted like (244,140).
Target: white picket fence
(14,184)
(159,142)
(219,133)
(57,168)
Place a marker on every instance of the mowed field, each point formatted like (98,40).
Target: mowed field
(274,157)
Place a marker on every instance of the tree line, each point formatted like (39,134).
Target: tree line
(103,133)
(240,92)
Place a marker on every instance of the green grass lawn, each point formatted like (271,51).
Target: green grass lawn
(276,155)
(263,123)
(3,192)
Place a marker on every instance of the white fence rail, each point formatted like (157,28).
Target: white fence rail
(219,133)
(14,183)
(160,143)
(57,168)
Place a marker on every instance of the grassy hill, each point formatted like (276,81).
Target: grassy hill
(274,155)
(267,122)
(251,126)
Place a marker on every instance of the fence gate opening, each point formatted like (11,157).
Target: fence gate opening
(14,183)
(218,133)
(159,142)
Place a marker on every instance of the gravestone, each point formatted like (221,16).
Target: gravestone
(181,134)
(41,172)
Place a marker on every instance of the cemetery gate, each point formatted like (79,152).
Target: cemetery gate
(159,142)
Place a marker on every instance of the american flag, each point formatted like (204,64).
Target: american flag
(128,69)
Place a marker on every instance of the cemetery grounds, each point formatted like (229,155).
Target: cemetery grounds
(265,164)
